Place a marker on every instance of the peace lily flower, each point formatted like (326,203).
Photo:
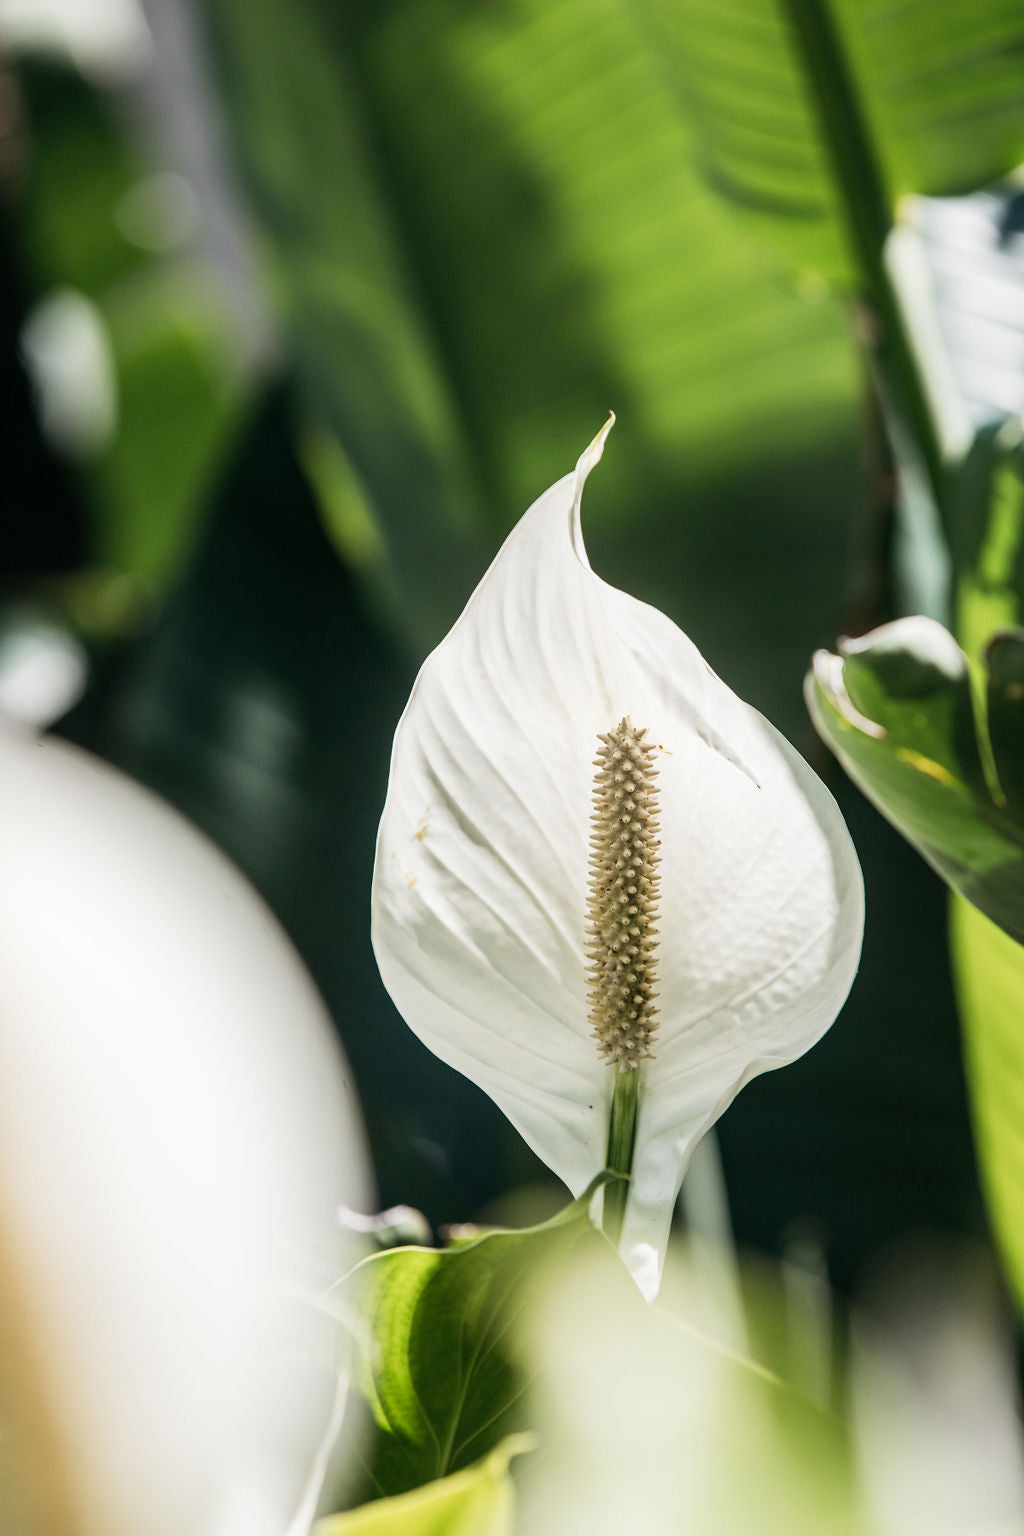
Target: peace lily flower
(606,889)
(176,1134)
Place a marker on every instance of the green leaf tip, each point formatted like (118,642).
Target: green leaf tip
(477,1501)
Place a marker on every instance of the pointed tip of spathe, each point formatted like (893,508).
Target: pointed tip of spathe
(593,452)
(589,457)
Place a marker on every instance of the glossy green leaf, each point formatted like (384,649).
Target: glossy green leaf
(989,969)
(896,708)
(988,965)
(937,89)
(988,527)
(478,1501)
(436,1329)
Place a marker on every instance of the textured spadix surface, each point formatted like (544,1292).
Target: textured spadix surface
(480,887)
(176,1132)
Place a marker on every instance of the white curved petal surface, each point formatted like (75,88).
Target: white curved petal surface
(177,1131)
(480,885)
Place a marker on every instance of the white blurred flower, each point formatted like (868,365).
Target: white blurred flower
(177,1131)
(731,955)
(935,1400)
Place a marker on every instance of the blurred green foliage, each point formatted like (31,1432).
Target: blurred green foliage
(476,227)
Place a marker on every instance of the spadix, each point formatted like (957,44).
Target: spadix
(510,881)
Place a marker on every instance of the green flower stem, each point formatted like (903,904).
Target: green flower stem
(868,211)
(619,1157)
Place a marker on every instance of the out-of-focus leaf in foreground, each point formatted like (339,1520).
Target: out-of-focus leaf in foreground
(475,1502)
(897,709)
(436,1327)
(649,1423)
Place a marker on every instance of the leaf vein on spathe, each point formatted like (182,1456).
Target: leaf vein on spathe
(443,865)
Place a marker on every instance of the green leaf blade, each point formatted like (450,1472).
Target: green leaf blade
(478,1501)
(939,88)
(440,1367)
(989,972)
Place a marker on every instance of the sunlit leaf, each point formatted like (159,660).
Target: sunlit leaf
(989,968)
(475,1502)
(938,88)
(437,1330)
(988,965)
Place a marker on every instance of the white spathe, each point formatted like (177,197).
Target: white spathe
(480,886)
(177,1130)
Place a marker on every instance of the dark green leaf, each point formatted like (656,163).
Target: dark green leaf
(1005,658)
(896,709)
(988,524)
(367,360)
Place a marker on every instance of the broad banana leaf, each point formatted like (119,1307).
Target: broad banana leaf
(925,97)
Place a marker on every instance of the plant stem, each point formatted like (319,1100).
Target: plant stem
(868,212)
(619,1156)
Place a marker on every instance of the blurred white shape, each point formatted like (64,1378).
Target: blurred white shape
(961,260)
(177,1131)
(649,1427)
(398,1224)
(107,40)
(632,1409)
(704,1202)
(934,1400)
(304,1516)
(159,212)
(807,1300)
(43,669)
(906,258)
(70,361)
